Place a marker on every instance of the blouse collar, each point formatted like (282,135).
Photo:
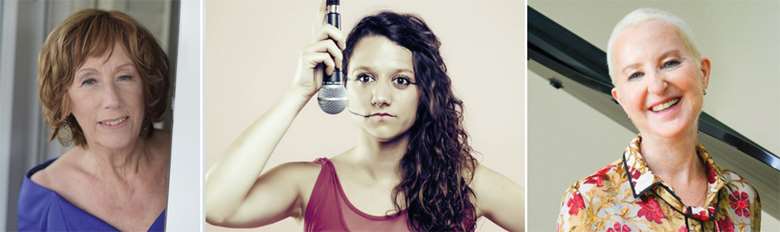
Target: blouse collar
(643,182)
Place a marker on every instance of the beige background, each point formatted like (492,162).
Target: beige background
(568,140)
(252,47)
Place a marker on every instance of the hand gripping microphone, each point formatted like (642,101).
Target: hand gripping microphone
(333,96)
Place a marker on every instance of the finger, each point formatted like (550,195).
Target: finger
(314,59)
(330,47)
(331,32)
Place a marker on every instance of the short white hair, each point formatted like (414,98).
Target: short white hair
(642,15)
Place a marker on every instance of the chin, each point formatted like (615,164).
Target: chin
(117,141)
(385,137)
(673,129)
(384,134)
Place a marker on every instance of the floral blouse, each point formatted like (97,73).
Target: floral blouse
(626,196)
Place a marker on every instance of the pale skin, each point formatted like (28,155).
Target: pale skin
(653,66)
(118,177)
(240,194)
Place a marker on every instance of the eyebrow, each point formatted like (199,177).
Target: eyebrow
(670,52)
(395,70)
(624,70)
(662,56)
(131,65)
(125,65)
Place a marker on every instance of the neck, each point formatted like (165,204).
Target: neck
(673,159)
(121,164)
(381,158)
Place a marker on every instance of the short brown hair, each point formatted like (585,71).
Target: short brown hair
(94,32)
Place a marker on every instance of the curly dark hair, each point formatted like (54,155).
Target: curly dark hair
(438,165)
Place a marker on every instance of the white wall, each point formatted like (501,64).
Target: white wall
(184,194)
(567,140)
(7,45)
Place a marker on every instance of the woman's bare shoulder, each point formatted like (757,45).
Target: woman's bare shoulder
(493,188)
(301,172)
(59,173)
(485,178)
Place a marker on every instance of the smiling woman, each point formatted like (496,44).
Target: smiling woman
(103,81)
(666,180)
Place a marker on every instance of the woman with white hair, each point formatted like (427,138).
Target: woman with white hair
(665,180)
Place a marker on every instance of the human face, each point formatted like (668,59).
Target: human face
(657,80)
(106,97)
(381,85)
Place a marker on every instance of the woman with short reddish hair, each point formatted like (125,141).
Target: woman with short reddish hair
(103,82)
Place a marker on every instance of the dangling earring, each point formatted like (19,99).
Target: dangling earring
(705,92)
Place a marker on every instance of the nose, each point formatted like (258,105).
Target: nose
(110,96)
(658,84)
(381,96)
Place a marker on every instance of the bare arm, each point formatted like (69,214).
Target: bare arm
(498,198)
(230,182)
(236,193)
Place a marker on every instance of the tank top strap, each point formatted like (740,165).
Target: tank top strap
(323,161)
(327,179)
(323,211)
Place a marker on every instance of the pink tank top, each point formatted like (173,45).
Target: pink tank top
(330,210)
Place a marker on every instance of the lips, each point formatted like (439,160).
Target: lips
(381,114)
(114,122)
(668,103)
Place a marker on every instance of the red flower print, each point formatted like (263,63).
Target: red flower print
(739,202)
(725,224)
(711,175)
(702,216)
(617,227)
(650,210)
(575,203)
(599,177)
(635,174)
(682,229)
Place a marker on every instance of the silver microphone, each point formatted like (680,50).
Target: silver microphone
(333,96)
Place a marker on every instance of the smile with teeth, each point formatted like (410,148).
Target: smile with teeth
(114,122)
(665,105)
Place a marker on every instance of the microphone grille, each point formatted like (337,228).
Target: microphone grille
(332,98)
(332,2)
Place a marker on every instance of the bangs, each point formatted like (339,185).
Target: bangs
(97,36)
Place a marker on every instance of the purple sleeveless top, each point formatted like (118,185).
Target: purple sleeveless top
(330,210)
(41,209)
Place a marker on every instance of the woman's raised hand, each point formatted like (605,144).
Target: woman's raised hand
(324,52)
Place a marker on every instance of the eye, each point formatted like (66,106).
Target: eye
(670,64)
(364,78)
(125,77)
(402,82)
(88,82)
(636,75)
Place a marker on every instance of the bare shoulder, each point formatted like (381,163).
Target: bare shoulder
(58,175)
(296,170)
(498,198)
(493,190)
(488,185)
(485,177)
(302,174)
